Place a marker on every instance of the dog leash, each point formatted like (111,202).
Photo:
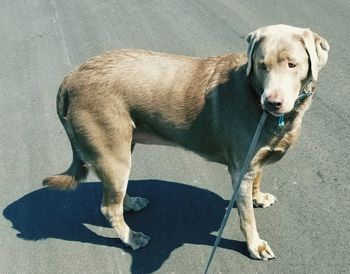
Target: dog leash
(237,186)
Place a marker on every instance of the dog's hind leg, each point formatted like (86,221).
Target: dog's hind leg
(114,173)
(106,144)
(261,199)
(134,203)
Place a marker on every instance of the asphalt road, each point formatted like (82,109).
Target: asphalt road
(44,231)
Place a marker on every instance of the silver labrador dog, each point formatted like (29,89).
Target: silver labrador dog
(209,106)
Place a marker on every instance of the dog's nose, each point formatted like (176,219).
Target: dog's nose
(274,102)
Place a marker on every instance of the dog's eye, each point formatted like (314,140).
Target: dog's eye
(291,65)
(263,66)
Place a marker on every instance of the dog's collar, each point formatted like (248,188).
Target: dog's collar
(303,94)
(306,92)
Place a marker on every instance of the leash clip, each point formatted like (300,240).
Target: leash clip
(281,123)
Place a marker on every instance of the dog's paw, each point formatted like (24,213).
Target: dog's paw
(261,251)
(135,203)
(137,240)
(264,200)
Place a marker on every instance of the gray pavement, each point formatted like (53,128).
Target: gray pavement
(44,231)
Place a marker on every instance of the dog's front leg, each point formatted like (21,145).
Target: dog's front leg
(261,199)
(258,248)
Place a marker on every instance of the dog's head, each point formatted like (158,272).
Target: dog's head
(281,59)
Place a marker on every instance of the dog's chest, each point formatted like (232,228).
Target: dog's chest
(268,155)
(277,147)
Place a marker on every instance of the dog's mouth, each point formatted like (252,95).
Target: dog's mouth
(274,113)
(273,109)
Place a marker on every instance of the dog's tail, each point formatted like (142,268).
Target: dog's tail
(77,170)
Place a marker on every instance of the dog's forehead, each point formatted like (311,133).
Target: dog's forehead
(279,39)
(280,34)
(291,44)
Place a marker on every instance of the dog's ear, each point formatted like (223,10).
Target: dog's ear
(252,39)
(317,49)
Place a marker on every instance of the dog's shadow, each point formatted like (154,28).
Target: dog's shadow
(178,214)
